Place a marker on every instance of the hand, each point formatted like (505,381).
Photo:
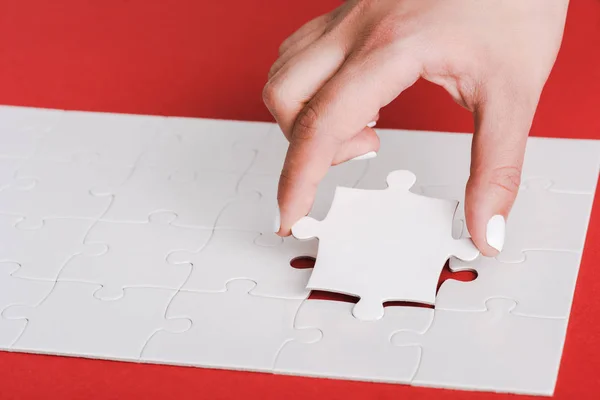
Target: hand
(336,72)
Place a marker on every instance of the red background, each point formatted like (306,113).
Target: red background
(210,59)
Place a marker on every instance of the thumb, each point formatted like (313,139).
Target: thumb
(501,129)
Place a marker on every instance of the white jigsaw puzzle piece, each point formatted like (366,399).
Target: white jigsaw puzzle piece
(353,349)
(492,350)
(384,245)
(205,144)
(119,139)
(270,152)
(71,321)
(51,189)
(196,197)
(233,255)
(21,128)
(568,165)
(42,253)
(136,257)
(8,170)
(231,329)
(436,158)
(542,285)
(17,291)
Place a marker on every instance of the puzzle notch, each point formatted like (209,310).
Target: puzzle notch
(215,264)
(231,329)
(350,348)
(542,285)
(43,252)
(508,353)
(17,291)
(71,321)
(137,255)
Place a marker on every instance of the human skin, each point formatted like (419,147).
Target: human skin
(336,72)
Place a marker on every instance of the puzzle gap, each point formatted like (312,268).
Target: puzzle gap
(463,276)
(303,262)
(447,274)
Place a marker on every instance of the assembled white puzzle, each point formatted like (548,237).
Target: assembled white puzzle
(149,239)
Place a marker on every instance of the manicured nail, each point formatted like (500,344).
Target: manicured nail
(371,124)
(277,221)
(495,232)
(366,156)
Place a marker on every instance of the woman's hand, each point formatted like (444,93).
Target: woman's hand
(336,72)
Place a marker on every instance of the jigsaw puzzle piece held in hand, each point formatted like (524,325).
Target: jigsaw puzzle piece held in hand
(351,348)
(233,255)
(492,350)
(384,245)
(72,321)
(542,285)
(17,291)
(52,189)
(136,256)
(231,329)
(42,253)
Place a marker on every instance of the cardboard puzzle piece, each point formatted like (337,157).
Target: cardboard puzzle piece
(270,151)
(8,170)
(42,253)
(566,165)
(492,350)
(540,219)
(384,245)
(542,285)
(233,255)
(196,197)
(50,189)
(204,144)
(21,129)
(136,256)
(353,349)
(119,139)
(258,215)
(546,220)
(231,329)
(17,291)
(436,158)
(71,321)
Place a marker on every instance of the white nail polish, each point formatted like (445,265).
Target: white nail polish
(277,221)
(496,231)
(366,156)
(371,124)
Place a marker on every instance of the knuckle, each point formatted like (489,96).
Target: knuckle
(272,95)
(307,122)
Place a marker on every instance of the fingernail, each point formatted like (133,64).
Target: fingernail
(495,232)
(366,156)
(371,124)
(277,221)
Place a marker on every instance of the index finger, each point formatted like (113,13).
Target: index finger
(341,109)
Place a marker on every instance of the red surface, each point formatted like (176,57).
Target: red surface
(210,59)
